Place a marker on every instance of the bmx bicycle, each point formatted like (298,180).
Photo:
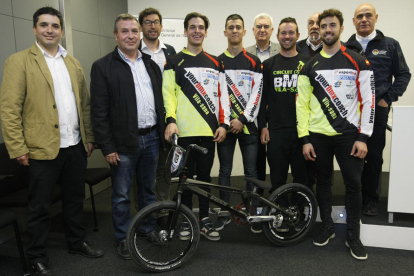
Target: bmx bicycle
(153,238)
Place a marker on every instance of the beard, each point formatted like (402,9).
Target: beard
(282,45)
(331,42)
(150,38)
(313,38)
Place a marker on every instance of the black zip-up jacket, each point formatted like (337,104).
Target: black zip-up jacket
(387,60)
(114,112)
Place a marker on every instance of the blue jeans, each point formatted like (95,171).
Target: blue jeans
(144,163)
(249,147)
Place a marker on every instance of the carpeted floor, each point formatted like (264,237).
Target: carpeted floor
(239,252)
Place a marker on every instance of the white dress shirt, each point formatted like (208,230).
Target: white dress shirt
(143,92)
(64,98)
(158,56)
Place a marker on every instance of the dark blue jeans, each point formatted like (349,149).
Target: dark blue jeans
(373,161)
(144,164)
(248,147)
(351,168)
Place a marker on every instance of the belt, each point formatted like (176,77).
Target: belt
(145,131)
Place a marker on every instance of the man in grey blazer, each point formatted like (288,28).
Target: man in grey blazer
(262,30)
(263,49)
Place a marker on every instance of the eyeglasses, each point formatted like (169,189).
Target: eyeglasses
(260,26)
(149,22)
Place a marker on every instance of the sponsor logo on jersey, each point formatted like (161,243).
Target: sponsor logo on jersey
(338,83)
(206,81)
(201,90)
(240,83)
(334,98)
(235,91)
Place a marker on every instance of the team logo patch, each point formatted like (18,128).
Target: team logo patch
(206,81)
(338,84)
(240,83)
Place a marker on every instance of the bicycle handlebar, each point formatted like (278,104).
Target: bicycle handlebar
(200,149)
(174,142)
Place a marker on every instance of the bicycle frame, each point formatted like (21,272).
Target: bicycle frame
(196,187)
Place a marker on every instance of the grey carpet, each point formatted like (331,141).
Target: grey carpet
(239,252)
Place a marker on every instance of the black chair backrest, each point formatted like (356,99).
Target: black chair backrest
(11,167)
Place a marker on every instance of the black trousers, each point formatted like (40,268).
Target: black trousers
(285,149)
(351,168)
(68,170)
(373,161)
(201,164)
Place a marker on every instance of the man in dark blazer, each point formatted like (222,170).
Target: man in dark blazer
(127,114)
(313,43)
(150,20)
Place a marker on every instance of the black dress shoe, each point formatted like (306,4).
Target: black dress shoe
(123,250)
(86,249)
(42,269)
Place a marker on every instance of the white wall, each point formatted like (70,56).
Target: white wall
(394,19)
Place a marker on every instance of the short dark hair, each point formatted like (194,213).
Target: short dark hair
(146,12)
(234,17)
(123,16)
(288,20)
(329,13)
(47,10)
(192,15)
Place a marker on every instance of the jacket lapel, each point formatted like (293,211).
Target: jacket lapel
(41,61)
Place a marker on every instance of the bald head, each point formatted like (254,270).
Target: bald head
(313,29)
(365,17)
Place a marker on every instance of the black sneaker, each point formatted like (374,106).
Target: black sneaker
(370,209)
(357,248)
(221,222)
(256,228)
(324,236)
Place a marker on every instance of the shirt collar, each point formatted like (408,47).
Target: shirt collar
(268,48)
(368,38)
(61,51)
(310,44)
(125,58)
(160,46)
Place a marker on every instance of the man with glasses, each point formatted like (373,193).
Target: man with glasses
(150,20)
(262,30)
(264,49)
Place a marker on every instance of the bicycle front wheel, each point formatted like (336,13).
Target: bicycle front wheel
(286,230)
(155,244)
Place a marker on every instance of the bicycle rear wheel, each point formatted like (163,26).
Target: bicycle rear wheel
(156,248)
(301,201)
